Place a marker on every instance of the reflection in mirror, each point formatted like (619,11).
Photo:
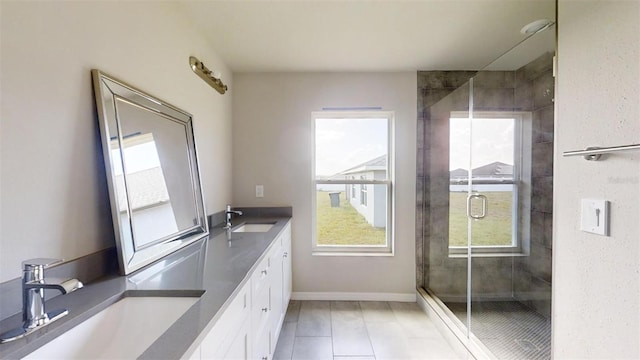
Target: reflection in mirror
(153,215)
(153,178)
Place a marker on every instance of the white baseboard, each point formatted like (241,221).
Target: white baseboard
(346,296)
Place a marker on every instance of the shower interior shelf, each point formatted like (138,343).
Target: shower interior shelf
(595,153)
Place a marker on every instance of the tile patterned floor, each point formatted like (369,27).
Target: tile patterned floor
(352,330)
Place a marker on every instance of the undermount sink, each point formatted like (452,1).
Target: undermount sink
(254,228)
(125,329)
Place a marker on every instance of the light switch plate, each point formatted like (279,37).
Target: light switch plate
(259,191)
(595,216)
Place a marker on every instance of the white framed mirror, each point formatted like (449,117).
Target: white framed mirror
(152,173)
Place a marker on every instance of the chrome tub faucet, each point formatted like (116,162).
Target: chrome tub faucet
(228,213)
(34,315)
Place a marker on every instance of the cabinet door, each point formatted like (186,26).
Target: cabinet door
(261,311)
(286,269)
(277,317)
(239,348)
(217,341)
(262,345)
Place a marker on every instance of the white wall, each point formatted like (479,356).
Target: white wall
(272,146)
(596,279)
(54,195)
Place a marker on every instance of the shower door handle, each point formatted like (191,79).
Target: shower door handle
(484,206)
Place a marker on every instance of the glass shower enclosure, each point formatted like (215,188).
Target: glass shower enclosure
(485,185)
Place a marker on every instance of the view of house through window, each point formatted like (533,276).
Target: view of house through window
(352,180)
(491,153)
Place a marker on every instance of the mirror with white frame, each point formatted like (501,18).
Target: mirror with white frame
(152,173)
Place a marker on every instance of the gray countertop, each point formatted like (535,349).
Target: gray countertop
(213,267)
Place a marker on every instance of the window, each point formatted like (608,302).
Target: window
(499,157)
(363,193)
(353,189)
(353,193)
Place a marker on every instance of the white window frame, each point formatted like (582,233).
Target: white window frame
(521,209)
(353,190)
(356,250)
(363,193)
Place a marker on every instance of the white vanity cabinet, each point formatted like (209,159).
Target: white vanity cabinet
(281,284)
(224,334)
(250,325)
(272,283)
(263,298)
(287,272)
(240,347)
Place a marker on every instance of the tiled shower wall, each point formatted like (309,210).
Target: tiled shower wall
(433,86)
(439,92)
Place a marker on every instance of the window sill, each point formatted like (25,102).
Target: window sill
(354,254)
(487,255)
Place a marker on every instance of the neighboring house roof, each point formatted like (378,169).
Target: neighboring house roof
(146,188)
(459,173)
(379,163)
(493,170)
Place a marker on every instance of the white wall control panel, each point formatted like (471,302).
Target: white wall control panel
(595,216)
(259,191)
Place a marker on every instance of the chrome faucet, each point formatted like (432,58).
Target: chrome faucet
(34,315)
(228,214)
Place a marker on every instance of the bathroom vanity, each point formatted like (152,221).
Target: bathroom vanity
(248,325)
(240,282)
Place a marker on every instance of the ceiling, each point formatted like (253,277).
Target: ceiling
(288,36)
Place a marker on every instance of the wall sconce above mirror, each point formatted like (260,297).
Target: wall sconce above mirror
(210,77)
(152,173)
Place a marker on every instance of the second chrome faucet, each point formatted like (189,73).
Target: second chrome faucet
(228,213)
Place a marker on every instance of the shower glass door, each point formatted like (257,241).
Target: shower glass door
(484,211)
(488,204)
(510,177)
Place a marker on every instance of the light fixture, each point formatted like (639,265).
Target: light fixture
(536,26)
(210,77)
